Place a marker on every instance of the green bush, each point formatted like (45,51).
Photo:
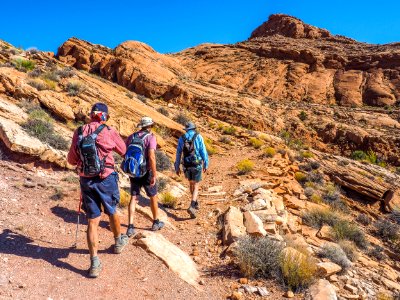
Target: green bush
(370,157)
(269,152)
(38,84)
(387,230)
(363,219)
(256,143)
(23,65)
(307,154)
(302,115)
(211,150)
(318,217)
(300,176)
(168,200)
(229,130)
(39,113)
(316,198)
(344,230)
(163,162)
(259,256)
(245,166)
(336,255)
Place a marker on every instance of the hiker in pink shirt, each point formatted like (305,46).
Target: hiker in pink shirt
(91,151)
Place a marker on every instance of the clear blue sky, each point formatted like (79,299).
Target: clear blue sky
(173,25)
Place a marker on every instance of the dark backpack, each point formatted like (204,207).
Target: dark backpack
(190,159)
(134,163)
(92,165)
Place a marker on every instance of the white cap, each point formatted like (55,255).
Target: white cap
(145,122)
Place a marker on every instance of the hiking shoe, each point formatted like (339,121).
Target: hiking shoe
(131,230)
(120,243)
(94,271)
(157,225)
(192,212)
(195,204)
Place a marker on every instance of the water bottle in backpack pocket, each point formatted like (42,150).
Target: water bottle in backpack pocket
(92,164)
(134,163)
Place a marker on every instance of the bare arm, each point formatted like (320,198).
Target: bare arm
(152,163)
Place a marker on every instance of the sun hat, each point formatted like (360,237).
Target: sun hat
(145,122)
(189,126)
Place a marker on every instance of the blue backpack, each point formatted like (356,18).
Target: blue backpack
(134,163)
(92,165)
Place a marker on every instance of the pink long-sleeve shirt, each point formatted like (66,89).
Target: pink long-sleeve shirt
(107,141)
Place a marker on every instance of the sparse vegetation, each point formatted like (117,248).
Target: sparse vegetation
(269,152)
(162,110)
(58,194)
(168,200)
(162,131)
(182,118)
(124,197)
(386,230)
(245,166)
(225,139)
(298,269)
(309,191)
(363,219)
(256,143)
(259,257)
(71,179)
(162,183)
(74,88)
(302,115)
(23,65)
(38,84)
(211,150)
(369,157)
(142,98)
(377,252)
(229,130)
(35,73)
(316,198)
(336,255)
(300,176)
(163,161)
(315,176)
(344,230)
(318,217)
(350,249)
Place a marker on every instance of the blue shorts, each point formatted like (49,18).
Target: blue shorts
(138,183)
(194,173)
(98,193)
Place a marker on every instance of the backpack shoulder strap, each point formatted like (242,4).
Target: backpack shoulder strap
(99,129)
(194,137)
(80,130)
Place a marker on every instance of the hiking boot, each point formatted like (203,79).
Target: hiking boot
(195,204)
(192,212)
(157,225)
(131,230)
(120,243)
(95,267)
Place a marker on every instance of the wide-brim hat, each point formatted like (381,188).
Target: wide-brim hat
(145,122)
(189,126)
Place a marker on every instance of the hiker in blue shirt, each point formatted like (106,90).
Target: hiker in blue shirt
(192,153)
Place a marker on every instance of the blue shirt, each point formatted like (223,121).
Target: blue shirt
(199,147)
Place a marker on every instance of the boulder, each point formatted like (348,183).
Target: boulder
(267,215)
(325,233)
(233,225)
(326,269)
(258,204)
(321,290)
(173,257)
(254,225)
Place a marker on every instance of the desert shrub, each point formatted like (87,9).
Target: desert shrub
(286,136)
(302,115)
(370,156)
(306,154)
(163,111)
(318,217)
(129,95)
(230,130)
(300,176)
(282,151)
(225,139)
(315,176)
(39,113)
(305,167)
(58,194)
(316,198)
(71,179)
(163,161)
(398,170)
(376,252)
(124,197)
(162,131)
(342,163)
(358,155)
(35,73)
(52,75)
(44,131)
(32,50)
(384,296)
(51,85)
(332,197)
(269,152)
(23,65)
(74,88)
(211,150)
(256,143)
(309,191)
(387,230)
(182,118)
(28,105)
(259,257)
(66,72)
(363,219)
(168,200)
(142,98)
(37,84)
(336,255)
(245,166)
(350,249)
(162,183)
(298,269)
(314,165)
(344,230)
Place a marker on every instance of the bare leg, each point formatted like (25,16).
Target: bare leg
(154,206)
(132,207)
(195,192)
(92,236)
(191,183)
(115,224)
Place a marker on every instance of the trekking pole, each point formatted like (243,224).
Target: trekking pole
(77,223)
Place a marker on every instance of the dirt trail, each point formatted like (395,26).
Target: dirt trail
(37,261)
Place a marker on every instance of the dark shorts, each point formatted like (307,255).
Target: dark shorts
(194,174)
(98,193)
(143,182)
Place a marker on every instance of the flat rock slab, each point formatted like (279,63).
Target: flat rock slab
(173,257)
(321,290)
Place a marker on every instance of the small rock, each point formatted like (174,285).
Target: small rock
(201,282)
(351,288)
(243,281)
(289,294)
(237,296)
(262,291)
(249,289)
(326,269)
